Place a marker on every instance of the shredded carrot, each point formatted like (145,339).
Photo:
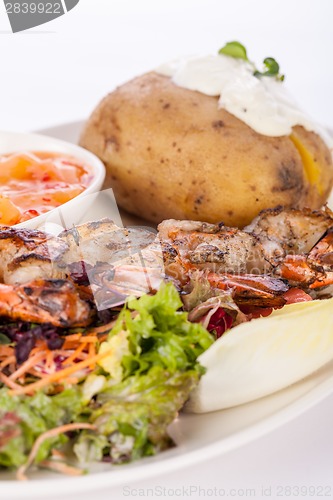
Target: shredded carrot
(41,346)
(65,352)
(74,336)
(7,361)
(69,346)
(72,344)
(49,362)
(103,328)
(35,373)
(6,380)
(28,364)
(92,353)
(79,351)
(92,350)
(6,350)
(61,374)
(89,338)
(75,354)
(46,435)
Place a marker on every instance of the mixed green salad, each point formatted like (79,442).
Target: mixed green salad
(123,396)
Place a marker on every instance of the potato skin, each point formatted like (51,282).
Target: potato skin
(171,153)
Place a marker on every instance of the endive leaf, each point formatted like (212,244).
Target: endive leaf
(265,355)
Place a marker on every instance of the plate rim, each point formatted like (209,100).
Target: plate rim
(106,479)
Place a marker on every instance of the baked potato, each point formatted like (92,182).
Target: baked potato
(171,153)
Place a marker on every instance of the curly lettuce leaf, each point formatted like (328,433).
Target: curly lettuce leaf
(32,416)
(157,334)
(158,372)
(134,416)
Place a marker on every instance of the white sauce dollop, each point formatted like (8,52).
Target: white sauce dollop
(262,103)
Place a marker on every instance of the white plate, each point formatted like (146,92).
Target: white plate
(198,437)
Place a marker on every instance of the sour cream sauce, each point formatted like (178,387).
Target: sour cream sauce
(262,103)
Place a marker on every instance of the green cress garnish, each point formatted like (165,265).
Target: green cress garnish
(234,49)
(238,51)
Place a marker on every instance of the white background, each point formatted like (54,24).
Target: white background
(58,72)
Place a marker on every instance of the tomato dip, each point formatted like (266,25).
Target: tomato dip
(32,183)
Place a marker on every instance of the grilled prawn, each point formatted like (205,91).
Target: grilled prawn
(188,244)
(230,259)
(28,254)
(278,250)
(289,244)
(44,301)
(313,270)
(101,263)
(281,232)
(298,244)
